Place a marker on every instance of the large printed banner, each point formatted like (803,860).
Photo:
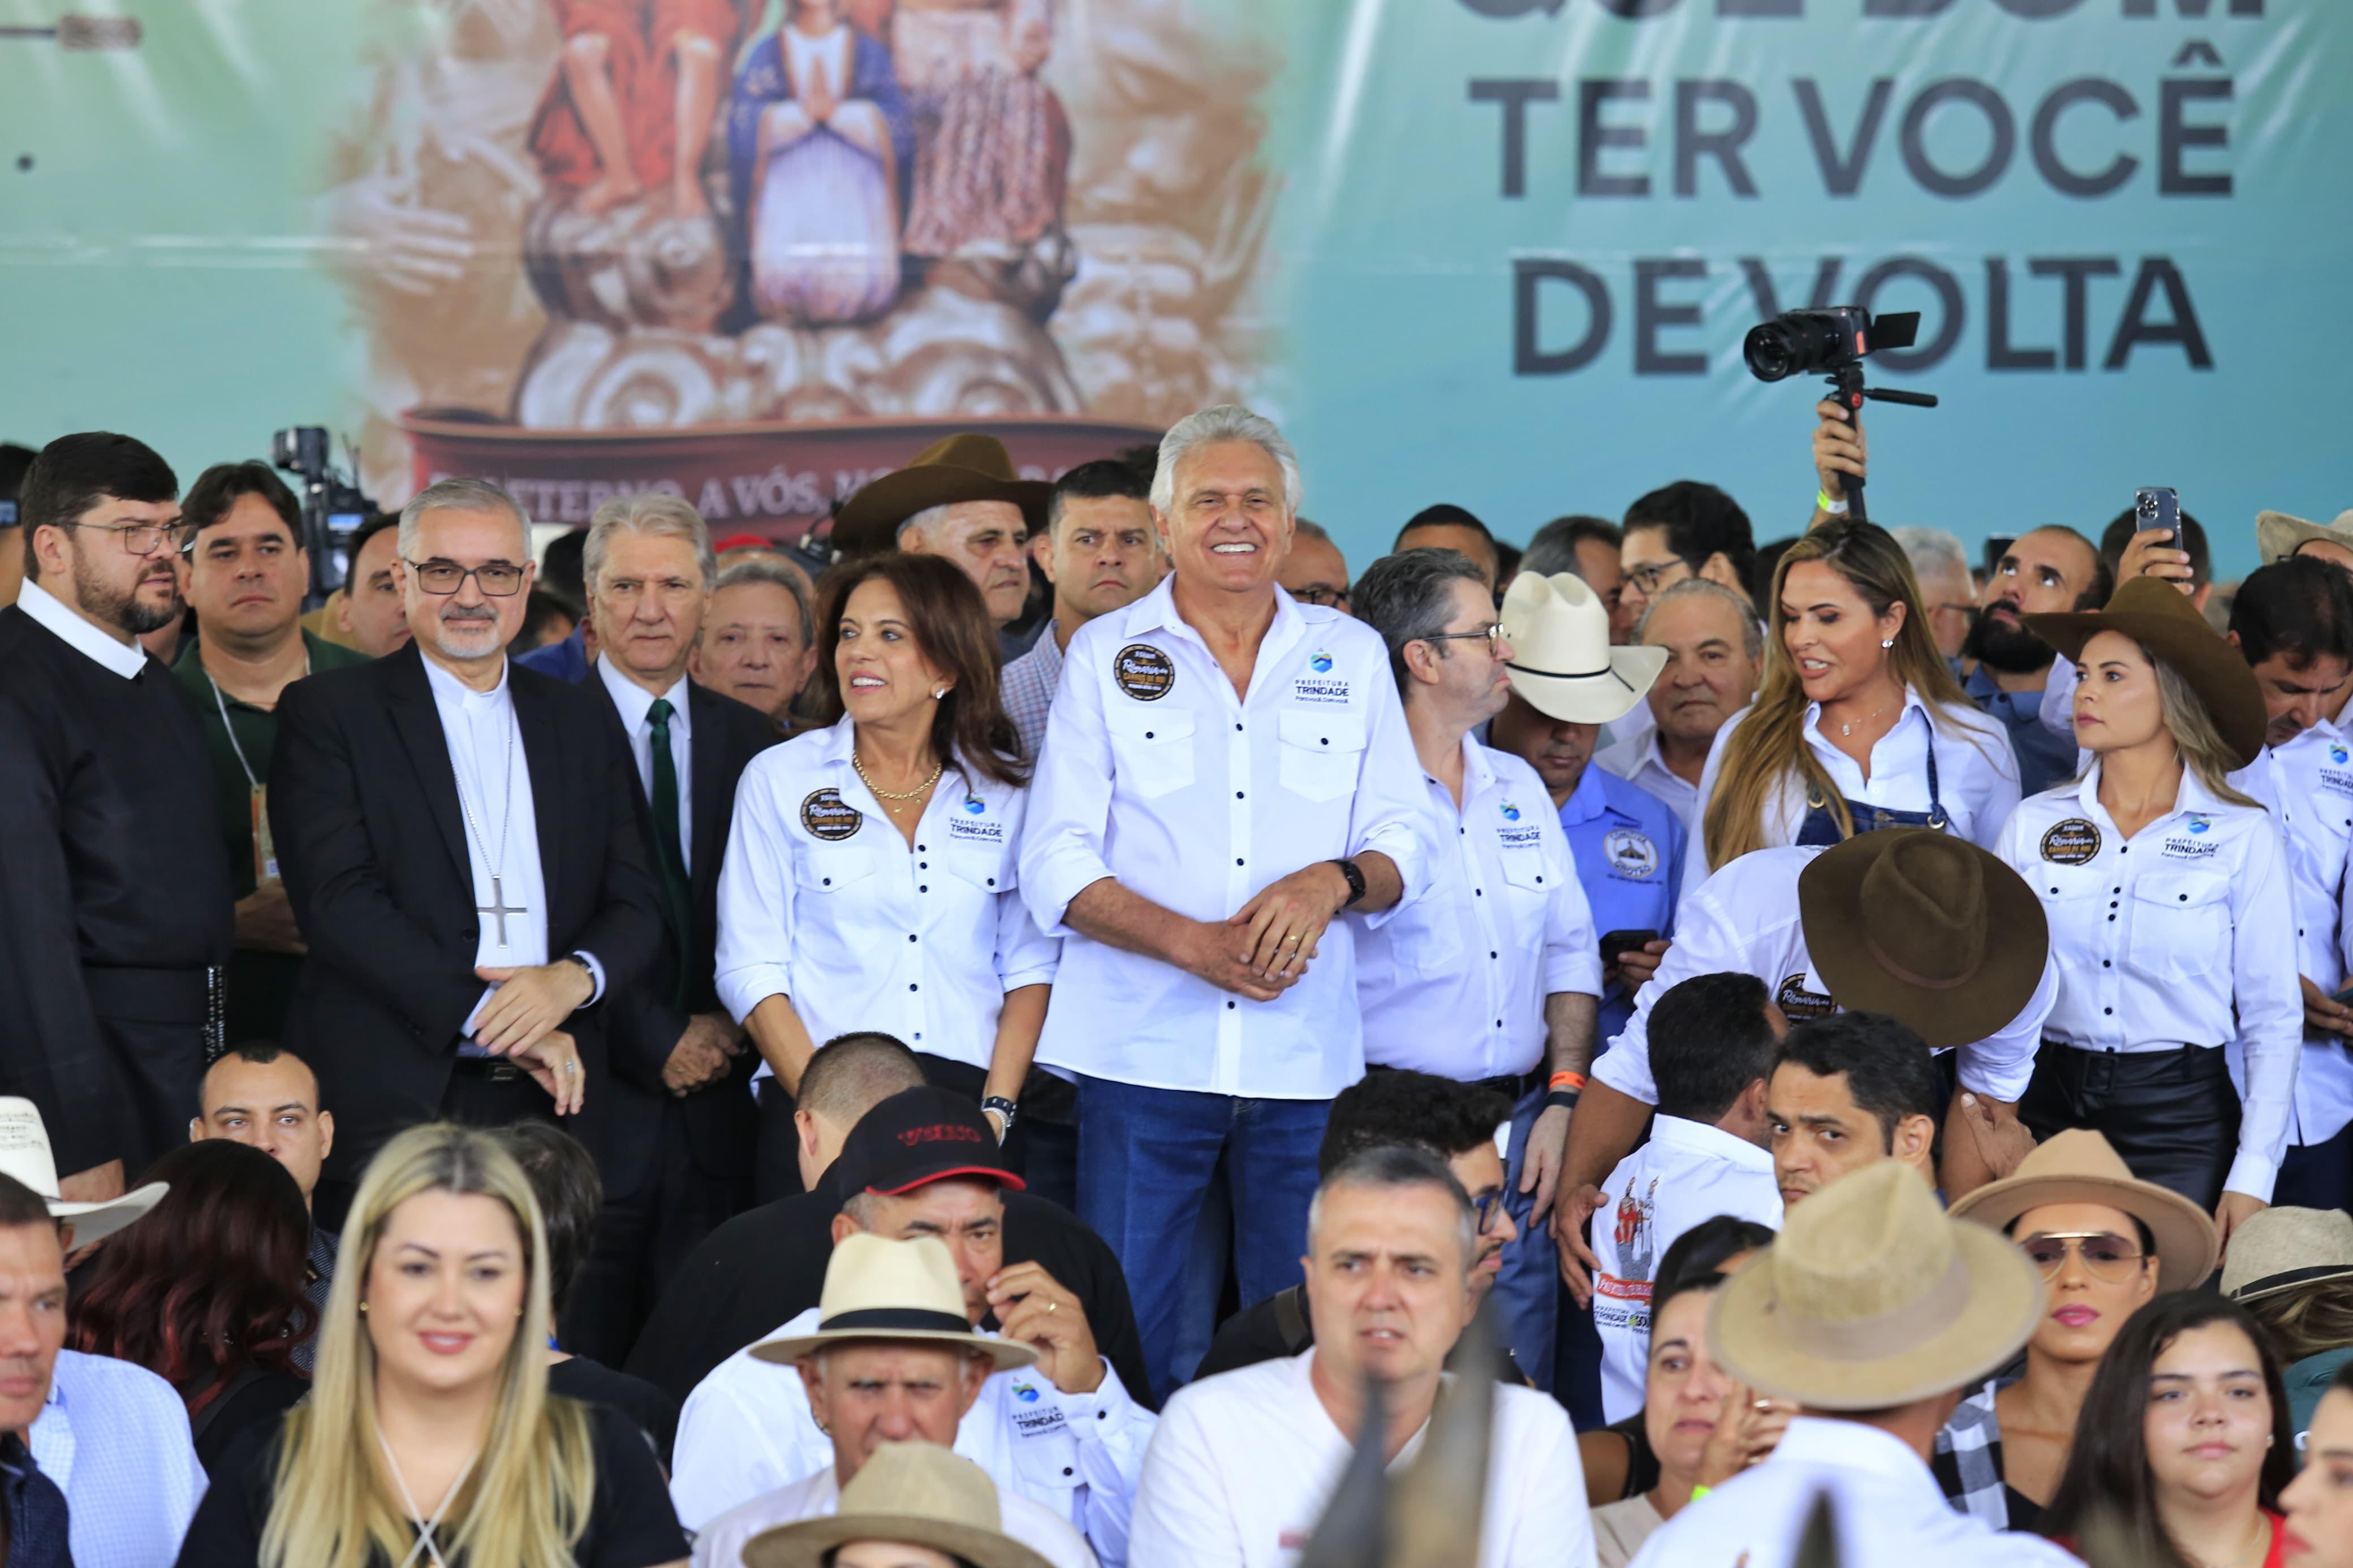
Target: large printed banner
(1499,252)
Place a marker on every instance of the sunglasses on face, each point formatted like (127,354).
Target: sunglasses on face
(2105,1257)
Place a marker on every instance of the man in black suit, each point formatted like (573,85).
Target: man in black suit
(683,1077)
(464,860)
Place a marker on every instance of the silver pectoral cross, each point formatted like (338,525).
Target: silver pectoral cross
(499,907)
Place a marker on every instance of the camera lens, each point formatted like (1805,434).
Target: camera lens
(1770,354)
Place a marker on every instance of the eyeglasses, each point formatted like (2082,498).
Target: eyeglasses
(1650,578)
(1488,1204)
(146,537)
(1492,632)
(2105,1257)
(1321,594)
(497,579)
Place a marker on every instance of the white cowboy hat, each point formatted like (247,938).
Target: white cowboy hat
(911,1493)
(1562,662)
(25,1154)
(2279,536)
(877,1289)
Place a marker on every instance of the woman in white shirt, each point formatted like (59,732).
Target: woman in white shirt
(869,881)
(2172,926)
(1858,723)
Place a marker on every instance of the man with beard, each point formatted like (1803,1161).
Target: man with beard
(118,893)
(2047,570)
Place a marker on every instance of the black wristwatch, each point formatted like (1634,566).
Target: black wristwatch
(1356,882)
(1005,1108)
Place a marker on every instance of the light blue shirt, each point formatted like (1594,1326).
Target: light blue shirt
(1629,847)
(115,1439)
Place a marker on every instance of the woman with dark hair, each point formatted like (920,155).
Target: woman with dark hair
(869,880)
(205,1292)
(2183,1445)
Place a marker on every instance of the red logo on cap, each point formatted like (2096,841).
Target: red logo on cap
(939,1132)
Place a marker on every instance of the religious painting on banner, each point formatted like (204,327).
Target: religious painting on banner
(757,252)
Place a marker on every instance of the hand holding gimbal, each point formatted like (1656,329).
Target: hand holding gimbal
(1834,341)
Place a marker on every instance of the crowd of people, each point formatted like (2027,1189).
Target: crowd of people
(1034,1039)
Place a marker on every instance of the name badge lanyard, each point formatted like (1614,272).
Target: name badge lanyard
(264,851)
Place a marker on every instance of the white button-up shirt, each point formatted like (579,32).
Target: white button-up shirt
(1976,775)
(124,658)
(720,1543)
(1745,920)
(2307,785)
(1244,1463)
(635,704)
(820,899)
(1455,985)
(1687,1173)
(1885,1502)
(2193,943)
(1156,773)
(1636,760)
(114,1437)
(747,1430)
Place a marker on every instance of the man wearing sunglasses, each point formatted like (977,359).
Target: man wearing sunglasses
(462,847)
(117,891)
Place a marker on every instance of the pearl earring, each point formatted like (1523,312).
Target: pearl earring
(363,1309)
(943,691)
(1889,643)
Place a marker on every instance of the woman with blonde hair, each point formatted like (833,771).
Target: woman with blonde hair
(430,1438)
(1859,725)
(2172,927)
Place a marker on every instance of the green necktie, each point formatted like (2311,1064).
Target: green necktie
(666,845)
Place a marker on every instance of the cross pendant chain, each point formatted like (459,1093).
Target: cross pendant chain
(498,907)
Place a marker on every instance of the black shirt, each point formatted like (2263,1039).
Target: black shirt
(594,1382)
(1279,1326)
(766,1267)
(630,1524)
(255,1398)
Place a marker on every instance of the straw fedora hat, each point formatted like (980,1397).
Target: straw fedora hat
(1872,1296)
(962,467)
(1562,662)
(877,1289)
(2079,1166)
(912,1493)
(25,1154)
(2279,536)
(2157,615)
(1925,927)
(2279,1249)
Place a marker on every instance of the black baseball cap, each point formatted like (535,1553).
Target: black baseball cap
(916,1137)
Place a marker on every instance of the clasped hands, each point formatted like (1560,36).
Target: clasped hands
(1264,950)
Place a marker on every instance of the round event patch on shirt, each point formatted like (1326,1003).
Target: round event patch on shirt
(1631,854)
(2072,842)
(825,818)
(1143,671)
(1797,1004)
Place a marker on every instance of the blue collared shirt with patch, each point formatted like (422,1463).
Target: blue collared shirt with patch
(1629,847)
(2044,759)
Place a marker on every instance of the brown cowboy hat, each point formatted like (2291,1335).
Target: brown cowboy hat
(1926,928)
(962,467)
(2161,618)
(2079,1166)
(1872,1296)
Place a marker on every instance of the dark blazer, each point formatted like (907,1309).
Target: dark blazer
(722,1119)
(372,845)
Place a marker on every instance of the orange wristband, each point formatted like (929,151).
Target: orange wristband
(1575,1080)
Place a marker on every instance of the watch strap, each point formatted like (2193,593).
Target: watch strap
(1349,870)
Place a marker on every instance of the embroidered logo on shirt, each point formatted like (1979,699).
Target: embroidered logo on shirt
(1510,812)
(975,804)
(1027,1393)
(1143,671)
(825,818)
(2339,754)
(1309,689)
(1321,663)
(2072,842)
(1797,1004)
(2199,823)
(1631,854)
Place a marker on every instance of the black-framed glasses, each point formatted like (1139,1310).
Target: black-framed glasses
(498,579)
(1650,578)
(1491,634)
(1321,594)
(144,538)
(1488,1205)
(2105,1257)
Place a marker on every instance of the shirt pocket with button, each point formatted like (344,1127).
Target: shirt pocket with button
(1529,880)
(1322,752)
(1152,750)
(2181,924)
(2074,897)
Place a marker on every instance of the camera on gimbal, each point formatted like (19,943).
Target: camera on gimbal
(1833,343)
(333,509)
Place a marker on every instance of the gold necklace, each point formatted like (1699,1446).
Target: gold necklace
(880,794)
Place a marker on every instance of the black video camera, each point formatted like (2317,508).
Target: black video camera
(332,507)
(1817,342)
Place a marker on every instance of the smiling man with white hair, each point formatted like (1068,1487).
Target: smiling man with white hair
(1225,770)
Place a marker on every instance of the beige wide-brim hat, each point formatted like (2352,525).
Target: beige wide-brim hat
(2080,1166)
(2282,1248)
(1872,1296)
(1562,663)
(2279,536)
(877,1289)
(908,1492)
(959,467)
(25,1154)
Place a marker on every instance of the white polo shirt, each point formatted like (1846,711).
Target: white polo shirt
(1244,1463)
(1636,760)
(2190,943)
(1154,773)
(1455,985)
(1886,1500)
(821,900)
(720,1543)
(1976,775)
(1687,1173)
(1745,920)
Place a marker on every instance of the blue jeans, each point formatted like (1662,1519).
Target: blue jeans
(1527,1291)
(1145,1156)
